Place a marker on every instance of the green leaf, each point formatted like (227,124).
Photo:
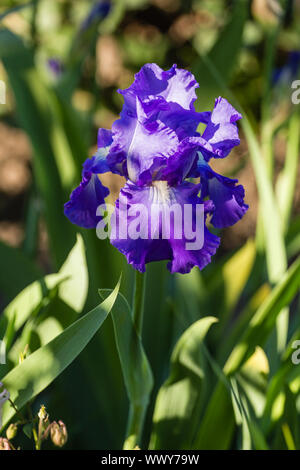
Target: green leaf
(270,216)
(74,274)
(135,366)
(287,179)
(236,412)
(71,284)
(229,279)
(27,430)
(180,399)
(211,434)
(26,305)
(34,105)
(136,369)
(263,321)
(33,375)
(276,386)
(16,9)
(219,409)
(19,271)
(223,55)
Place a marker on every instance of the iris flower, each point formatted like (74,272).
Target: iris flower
(155,145)
(98,12)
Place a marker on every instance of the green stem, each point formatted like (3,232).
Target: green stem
(137,411)
(33,23)
(138,301)
(267,125)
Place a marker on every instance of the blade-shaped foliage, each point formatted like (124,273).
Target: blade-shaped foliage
(19,271)
(135,366)
(70,284)
(33,100)
(179,401)
(33,375)
(223,55)
(263,321)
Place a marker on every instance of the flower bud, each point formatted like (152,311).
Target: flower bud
(42,414)
(58,433)
(23,354)
(11,431)
(4,396)
(267,12)
(5,444)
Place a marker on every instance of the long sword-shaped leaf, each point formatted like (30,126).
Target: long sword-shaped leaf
(180,400)
(135,366)
(71,282)
(272,226)
(263,321)
(288,177)
(19,271)
(136,369)
(33,100)
(223,55)
(33,375)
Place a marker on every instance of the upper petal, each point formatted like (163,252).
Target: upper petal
(221,132)
(174,85)
(140,141)
(181,89)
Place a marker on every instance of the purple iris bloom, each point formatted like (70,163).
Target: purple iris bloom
(286,74)
(55,66)
(155,145)
(98,12)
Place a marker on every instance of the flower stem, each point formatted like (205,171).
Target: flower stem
(138,301)
(137,411)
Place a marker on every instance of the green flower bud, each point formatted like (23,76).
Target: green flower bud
(11,431)
(43,415)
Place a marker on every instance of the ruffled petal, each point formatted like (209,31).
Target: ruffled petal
(228,198)
(158,114)
(181,89)
(221,132)
(226,194)
(140,141)
(150,81)
(149,247)
(84,200)
(174,85)
(179,165)
(104,138)
(102,161)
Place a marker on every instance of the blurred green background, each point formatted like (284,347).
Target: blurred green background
(62,63)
